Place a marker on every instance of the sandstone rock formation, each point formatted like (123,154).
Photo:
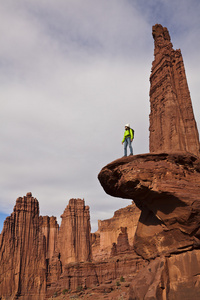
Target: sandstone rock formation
(109,231)
(148,250)
(49,228)
(39,259)
(22,253)
(33,253)
(173,278)
(166,188)
(164,184)
(172,123)
(122,244)
(74,233)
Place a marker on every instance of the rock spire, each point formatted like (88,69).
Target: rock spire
(22,252)
(74,233)
(164,184)
(172,122)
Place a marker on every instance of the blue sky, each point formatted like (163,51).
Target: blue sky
(72,74)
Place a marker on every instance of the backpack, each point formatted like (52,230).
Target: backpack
(132,131)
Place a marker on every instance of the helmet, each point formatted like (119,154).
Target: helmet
(127,125)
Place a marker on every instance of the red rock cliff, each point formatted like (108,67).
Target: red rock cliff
(110,230)
(172,122)
(164,184)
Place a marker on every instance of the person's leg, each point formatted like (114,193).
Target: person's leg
(125,147)
(130,146)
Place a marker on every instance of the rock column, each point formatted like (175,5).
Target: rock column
(172,123)
(74,234)
(22,252)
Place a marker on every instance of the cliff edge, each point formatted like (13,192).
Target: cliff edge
(164,184)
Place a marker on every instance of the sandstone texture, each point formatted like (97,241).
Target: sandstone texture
(109,232)
(49,228)
(166,189)
(172,123)
(164,184)
(75,245)
(40,260)
(22,253)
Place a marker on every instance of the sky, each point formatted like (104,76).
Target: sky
(72,74)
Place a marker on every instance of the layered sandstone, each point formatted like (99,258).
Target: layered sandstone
(73,245)
(164,184)
(166,188)
(40,259)
(49,228)
(33,251)
(172,278)
(172,122)
(81,276)
(74,233)
(122,245)
(22,253)
(109,231)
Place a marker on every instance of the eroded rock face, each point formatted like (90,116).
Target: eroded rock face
(74,233)
(93,274)
(174,278)
(172,122)
(166,188)
(34,254)
(49,228)
(111,229)
(164,184)
(22,253)
(122,245)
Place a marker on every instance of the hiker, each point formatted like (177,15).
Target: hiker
(128,138)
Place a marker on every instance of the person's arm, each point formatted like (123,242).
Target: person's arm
(123,138)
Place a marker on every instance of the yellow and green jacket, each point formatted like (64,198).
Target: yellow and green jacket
(128,133)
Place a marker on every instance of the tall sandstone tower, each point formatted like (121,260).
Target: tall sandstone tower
(34,252)
(74,233)
(172,122)
(22,253)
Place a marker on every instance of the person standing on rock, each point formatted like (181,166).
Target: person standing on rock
(128,138)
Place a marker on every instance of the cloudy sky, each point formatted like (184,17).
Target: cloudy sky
(72,73)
